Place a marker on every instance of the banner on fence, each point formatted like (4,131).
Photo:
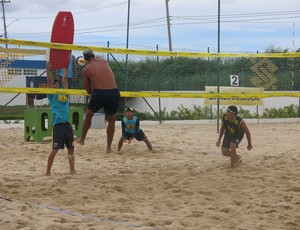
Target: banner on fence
(236,100)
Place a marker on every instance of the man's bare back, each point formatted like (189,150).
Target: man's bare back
(97,74)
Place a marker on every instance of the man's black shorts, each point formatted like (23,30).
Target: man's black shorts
(62,136)
(229,139)
(139,136)
(105,98)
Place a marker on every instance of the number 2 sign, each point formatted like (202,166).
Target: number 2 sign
(234,80)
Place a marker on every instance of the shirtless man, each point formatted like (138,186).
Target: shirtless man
(99,82)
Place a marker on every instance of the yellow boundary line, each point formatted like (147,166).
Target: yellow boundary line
(154,94)
(142,52)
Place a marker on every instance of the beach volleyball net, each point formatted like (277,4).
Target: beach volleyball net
(156,81)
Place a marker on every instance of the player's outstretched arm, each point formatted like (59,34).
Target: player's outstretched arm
(64,80)
(48,73)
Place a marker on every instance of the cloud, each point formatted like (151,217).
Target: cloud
(193,22)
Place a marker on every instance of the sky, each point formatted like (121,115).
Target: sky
(247,26)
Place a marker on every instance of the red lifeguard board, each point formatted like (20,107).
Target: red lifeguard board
(62,32)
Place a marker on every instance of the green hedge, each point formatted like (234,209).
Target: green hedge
(182,113)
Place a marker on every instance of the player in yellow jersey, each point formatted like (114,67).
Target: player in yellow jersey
(233,128)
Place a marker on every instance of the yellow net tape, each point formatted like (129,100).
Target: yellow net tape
(154,94)
(142,52)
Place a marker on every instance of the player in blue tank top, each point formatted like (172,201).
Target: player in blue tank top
(233,128)
(131,129)
(59,104)
(62,132)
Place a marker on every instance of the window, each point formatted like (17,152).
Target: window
(14,72)
(29,72)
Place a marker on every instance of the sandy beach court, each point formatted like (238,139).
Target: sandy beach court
(185,184)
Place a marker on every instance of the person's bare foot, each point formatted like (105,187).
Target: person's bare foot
(108,150)
(72,172)
(79,141)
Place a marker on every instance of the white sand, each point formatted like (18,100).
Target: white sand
(177,187)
